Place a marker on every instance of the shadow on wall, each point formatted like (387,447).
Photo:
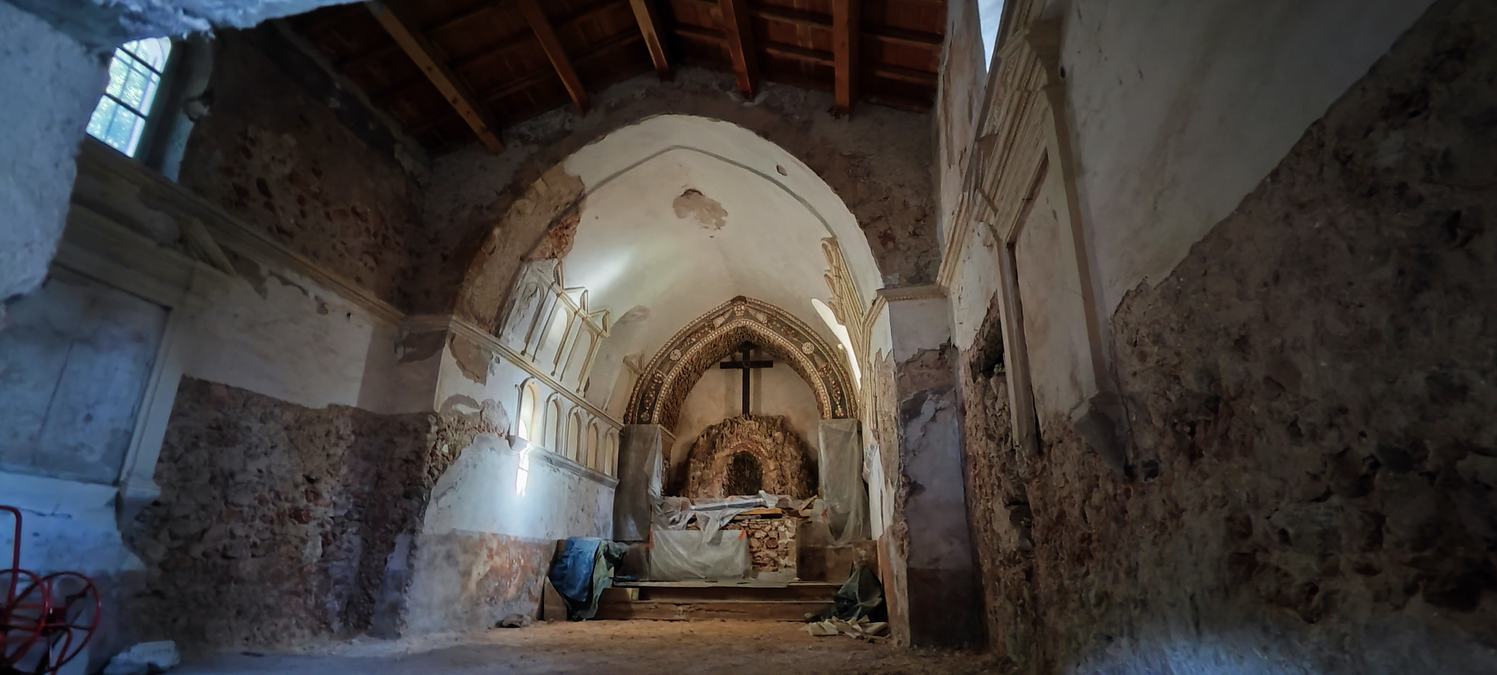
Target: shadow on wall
(1311,483)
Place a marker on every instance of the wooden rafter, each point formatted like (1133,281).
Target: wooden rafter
(845,38)
(648,17)
(820,22)
(426,58)
(740,38)
(546,34)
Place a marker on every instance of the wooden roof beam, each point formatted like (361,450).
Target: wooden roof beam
(648,16)
(845,37)
(888,35)
(546,34)
(452,88)
(741,48)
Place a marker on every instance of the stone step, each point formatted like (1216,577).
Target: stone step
(708,610)
(697,591)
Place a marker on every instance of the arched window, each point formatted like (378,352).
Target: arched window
(594,447)
(530,420)
(574,436)
(611,453)
(135,74)
(554,422)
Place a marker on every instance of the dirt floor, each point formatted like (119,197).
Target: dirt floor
(607,647)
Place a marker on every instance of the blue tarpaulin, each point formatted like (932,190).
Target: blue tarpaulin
(582,571)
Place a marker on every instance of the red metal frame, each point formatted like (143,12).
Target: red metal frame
(45,621)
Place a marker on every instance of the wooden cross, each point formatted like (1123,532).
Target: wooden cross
(745,364)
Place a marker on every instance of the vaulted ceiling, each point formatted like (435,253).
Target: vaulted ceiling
(452,71)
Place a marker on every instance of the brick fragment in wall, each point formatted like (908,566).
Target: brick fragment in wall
(1311,473)
(559,236)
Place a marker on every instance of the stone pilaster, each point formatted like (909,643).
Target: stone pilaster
(930,574)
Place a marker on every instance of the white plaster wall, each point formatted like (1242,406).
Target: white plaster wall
(958,103)
(1054,311)
(74,364)
(291,340)
(718,395)
(976,282)
(503,489)
(767,245)
(481,492)
(1181,107)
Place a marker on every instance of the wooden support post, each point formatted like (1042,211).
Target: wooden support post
(740,36)
(649,25)
(845,38)
(554,51)
(447,82)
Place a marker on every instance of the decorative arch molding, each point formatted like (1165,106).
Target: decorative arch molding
(663,385)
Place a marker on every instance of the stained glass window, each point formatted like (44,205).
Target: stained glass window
(134,78)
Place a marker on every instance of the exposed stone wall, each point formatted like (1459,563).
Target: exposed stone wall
(1311,482)
(275,521)
(784,459)
(285,150)
(771,544)
(878,161)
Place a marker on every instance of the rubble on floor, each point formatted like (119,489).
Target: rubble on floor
(144,659)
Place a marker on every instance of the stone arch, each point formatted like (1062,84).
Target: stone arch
(573,440)
(550,204)
(530,422)
(782,457)
(594,446)
(555,424)
(667,379)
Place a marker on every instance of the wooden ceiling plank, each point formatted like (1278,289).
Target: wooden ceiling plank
(741,47)
(445,81)
(546,34)
(537,78)
(845,39)
(883,34)
(648,16)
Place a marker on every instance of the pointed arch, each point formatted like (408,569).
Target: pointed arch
(594,447)
(573,442)
(554,424)
(665,382)
(529,423)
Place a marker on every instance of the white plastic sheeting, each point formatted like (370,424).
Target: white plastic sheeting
(840,464)
(639,488)
(681,555)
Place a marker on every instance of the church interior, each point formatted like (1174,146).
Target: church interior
(790,336)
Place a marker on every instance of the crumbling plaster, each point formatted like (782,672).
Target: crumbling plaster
(1310,481)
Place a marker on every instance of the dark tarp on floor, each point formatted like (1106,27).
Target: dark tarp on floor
(582,571)
(860,596)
